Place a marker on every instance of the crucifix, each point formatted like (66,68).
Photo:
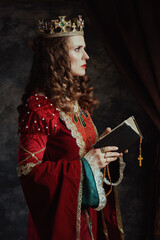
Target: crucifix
(140,158)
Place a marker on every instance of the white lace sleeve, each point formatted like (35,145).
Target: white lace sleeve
(121,170)
(98,176)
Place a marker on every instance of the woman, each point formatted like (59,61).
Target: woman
(59,170)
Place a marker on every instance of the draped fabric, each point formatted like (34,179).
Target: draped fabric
(130,32)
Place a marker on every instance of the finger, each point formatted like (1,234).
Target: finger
(112,154)
(108,129)
(110,148)
(111,159)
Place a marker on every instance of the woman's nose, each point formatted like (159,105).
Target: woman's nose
(85,56)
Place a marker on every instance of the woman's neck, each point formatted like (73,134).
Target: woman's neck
(41,94)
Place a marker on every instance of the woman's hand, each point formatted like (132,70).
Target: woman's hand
(108,130)
(103,158)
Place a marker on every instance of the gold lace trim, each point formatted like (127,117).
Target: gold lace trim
(78,223)
(82,151)
(26,169)
(89,224)
(74,132)
(105,229)
(118,212)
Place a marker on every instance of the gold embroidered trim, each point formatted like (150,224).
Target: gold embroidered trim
(89,225)
(78,223)
(105,229)
(118,213)
(74,131)
(31,154)
(26,169)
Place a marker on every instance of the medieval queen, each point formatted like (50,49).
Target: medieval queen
(59,170)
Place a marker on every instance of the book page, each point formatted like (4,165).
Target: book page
(132,123)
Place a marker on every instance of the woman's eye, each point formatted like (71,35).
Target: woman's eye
(77,49)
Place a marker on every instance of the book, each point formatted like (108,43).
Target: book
(123,136)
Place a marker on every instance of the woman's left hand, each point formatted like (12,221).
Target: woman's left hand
(108,130)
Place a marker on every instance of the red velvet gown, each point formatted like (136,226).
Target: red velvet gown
(51,174)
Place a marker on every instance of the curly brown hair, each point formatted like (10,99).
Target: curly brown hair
(51,75)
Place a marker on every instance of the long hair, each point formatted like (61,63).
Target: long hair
(51,75)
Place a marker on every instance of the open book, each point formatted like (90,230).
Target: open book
(123,136)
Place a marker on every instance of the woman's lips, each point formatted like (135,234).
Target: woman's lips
(84,66)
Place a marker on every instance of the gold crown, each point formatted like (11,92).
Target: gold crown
(61,27)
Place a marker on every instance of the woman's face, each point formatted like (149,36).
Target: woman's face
(77,55)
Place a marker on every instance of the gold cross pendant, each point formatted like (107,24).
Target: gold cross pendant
(140,158)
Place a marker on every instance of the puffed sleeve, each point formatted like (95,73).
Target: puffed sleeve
(39,120)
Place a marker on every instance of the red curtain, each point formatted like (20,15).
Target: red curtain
(130,31)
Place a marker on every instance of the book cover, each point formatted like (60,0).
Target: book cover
(123,136)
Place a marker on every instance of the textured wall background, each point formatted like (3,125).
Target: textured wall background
(17,23)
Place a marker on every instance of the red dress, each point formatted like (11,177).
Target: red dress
(51,174)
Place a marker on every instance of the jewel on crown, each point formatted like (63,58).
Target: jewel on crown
(62,27)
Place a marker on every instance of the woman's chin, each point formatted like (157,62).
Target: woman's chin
(80,74)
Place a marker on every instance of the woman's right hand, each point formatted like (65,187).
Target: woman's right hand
(105,156)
